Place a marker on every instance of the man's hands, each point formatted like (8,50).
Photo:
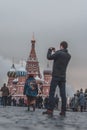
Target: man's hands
(52,49)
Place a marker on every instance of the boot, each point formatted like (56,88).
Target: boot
(33,107)
(28,108)
(62,113)
(48,112)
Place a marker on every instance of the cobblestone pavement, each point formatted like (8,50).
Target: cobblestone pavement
(18,118)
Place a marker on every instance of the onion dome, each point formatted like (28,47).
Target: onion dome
(12,71)
(21,72)
(47,70)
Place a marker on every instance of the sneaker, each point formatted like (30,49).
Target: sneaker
(62,113)
(48,112)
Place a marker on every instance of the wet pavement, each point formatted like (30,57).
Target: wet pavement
(18,118)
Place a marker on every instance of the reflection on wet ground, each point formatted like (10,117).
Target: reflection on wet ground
(17,118)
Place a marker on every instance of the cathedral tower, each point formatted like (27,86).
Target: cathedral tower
(47,79)
(32,64)
(11,74)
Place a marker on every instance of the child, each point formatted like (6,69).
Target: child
(31,91)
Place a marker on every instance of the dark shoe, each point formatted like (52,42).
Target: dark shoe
(33,107)
(62,113)
(28,108)
(48,112)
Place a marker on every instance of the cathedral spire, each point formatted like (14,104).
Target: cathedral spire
(32,65)
(33,38)
(33,41)
(32,55)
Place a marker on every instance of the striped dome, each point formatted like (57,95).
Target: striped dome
(21,72)
(12,72)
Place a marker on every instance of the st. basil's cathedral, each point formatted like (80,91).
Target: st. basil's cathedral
(16,78)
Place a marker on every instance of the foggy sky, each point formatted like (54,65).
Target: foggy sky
(52,21)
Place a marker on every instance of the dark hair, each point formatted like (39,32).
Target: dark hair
(4,84)
(64,44)
(30,75)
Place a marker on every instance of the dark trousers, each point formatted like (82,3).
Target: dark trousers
(4,100)
(61,83)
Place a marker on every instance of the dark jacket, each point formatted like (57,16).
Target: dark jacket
(5,91)
(61,59)
(30,88)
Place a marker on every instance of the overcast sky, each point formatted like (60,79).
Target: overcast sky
(52,21)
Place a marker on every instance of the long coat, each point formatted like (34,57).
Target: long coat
(81,99)
(30,87)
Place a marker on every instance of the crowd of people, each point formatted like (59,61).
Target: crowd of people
(79,101)
(9,100)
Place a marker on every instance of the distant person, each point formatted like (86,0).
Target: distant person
(31,91)
(82,100)
(75,103)
(5,93)
(85,94)
(61,59)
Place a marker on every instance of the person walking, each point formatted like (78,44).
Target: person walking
(31,91)
(5,93)
(61,59)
